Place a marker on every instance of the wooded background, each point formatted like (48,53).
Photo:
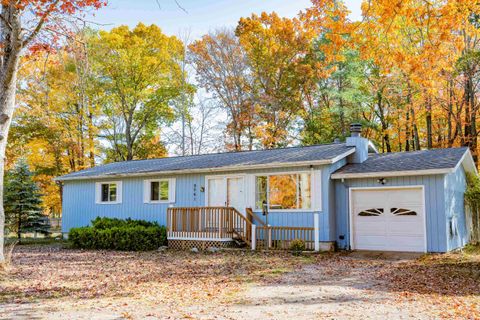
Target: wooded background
(408,71)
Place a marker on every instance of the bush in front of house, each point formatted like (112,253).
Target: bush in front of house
(118,234)
(297,245)
(108,223)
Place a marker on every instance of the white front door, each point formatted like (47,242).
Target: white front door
(388,219)
(226,191)
(216,192)
(235,193)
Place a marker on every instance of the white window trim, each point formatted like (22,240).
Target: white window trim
(147,184)
(315,195)
(98,192)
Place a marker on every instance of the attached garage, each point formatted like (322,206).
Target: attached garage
(388,219)
(403,201)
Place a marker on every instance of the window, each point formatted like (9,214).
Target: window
(260,191)
(371,212)
(284,191)
(158,191)
(402,212)
(109,192)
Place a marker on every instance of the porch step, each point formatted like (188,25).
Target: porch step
(239,243)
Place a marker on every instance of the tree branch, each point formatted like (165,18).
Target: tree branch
(40,24)
(181,8)
(6,22)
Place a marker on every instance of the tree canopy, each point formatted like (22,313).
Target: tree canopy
(408,71)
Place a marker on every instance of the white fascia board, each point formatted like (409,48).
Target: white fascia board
(467,162)
(371,145)
(219,169)
(343,155)
(384,174)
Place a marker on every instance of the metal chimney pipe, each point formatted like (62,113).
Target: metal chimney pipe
(355,129)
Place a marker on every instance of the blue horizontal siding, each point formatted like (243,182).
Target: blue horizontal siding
(434,206)
(291,219)
(79,206)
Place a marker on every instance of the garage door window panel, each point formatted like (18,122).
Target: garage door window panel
(403,212)
(375,212)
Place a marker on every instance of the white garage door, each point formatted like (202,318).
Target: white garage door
(388,219)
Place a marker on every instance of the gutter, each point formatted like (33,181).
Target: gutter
(218,169)
(391,173)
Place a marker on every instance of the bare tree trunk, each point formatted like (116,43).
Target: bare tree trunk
(409,144)
(10,36)
(250,138)
(450,113)
(183,131)
(7,106)
(473,129)
(407,130)
(428,106)
(128,136)
(429,130)
(416,138)
(91,139)
(19,227)
(384,123)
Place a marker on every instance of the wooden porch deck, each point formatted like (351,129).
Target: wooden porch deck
(208,223)
(222,225)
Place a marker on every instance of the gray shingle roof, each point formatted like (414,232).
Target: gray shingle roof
(228,160)
(433,159)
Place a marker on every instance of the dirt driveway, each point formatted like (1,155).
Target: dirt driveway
(51,282)
(337,291)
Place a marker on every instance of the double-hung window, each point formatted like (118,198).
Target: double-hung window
(109,192)
(159,191)
(292,191)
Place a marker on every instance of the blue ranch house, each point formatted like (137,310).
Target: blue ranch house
(342,194)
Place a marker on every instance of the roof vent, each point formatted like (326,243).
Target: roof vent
(355,129)
(336,140)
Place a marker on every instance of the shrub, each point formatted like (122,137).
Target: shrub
(108,223)
(117,234)
(297,245)
(472,199)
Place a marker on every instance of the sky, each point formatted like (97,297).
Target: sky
(200,16)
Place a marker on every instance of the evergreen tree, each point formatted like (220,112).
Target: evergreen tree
(22,201)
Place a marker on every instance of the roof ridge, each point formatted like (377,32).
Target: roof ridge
(225,152)
(247,158)
(418,151)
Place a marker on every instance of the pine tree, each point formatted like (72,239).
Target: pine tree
(22,202)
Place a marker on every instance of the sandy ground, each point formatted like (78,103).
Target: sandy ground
(309,294)
(261,286)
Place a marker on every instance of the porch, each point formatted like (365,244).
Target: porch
(204,227)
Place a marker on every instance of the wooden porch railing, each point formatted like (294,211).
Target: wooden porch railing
(212,223)
(226,223)
(252,216)
(279,238)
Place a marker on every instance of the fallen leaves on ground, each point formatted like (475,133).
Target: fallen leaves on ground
(170,277)
(444,285)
